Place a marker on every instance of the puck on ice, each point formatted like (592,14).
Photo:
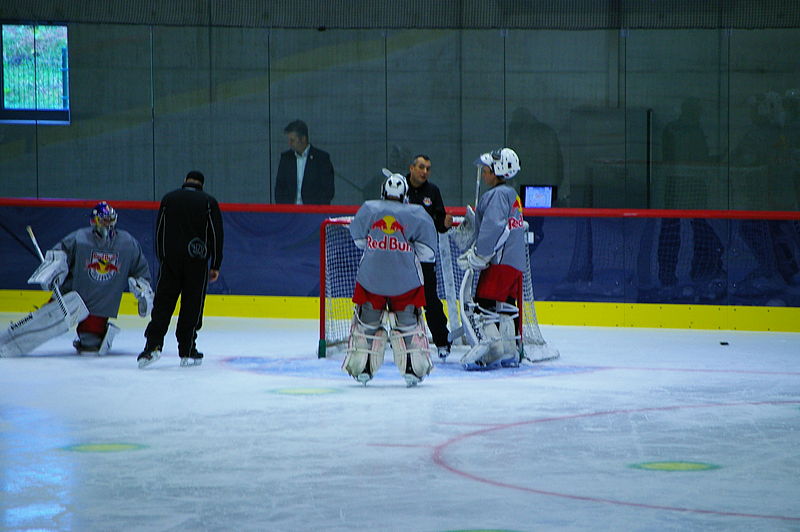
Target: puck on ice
(723,343)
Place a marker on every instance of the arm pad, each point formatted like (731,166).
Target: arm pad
(52,271)
(424,253)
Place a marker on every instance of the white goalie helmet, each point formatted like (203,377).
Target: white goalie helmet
(394,187)
(503,162)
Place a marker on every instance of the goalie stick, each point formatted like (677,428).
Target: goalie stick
(56,289)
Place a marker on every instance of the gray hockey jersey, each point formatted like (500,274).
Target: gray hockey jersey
(499,227)
(395,238)
(99,268)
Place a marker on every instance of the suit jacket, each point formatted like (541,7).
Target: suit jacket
(317,180)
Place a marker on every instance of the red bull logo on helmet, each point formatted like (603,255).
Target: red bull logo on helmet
(102,266)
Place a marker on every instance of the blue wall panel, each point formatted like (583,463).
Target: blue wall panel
(608,259)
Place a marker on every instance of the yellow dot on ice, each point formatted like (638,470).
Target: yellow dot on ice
(104,447)
(481,530)
(306,391)
(675,466)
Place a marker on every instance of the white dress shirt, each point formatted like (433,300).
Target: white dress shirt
(301,158)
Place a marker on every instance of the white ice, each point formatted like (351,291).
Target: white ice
(266,437)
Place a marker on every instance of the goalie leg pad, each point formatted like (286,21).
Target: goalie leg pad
(487,353)
(111,332)
(410,346)
(508,336)
(25,335)
(365,350)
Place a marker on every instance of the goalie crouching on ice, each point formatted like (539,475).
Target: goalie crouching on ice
(92,266)
(496,231)
(396,237)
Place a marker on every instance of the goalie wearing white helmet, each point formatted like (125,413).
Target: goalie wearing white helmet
(498,254)
(396,237)
(97,264)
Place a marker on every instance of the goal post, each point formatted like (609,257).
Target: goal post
(339,259)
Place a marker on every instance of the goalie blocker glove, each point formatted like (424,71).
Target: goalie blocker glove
(52,271)
(464,234)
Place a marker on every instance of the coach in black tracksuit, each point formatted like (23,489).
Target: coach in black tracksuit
(423,192)
(189,247)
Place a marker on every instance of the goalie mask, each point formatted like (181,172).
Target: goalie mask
(394,187)
(503,162)
(103,219)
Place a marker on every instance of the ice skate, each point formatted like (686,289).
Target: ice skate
(195,358)
(443,352)
(148,356)
(411,380)
(82,348)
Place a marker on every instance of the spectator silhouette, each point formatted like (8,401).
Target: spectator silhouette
(684,144)
(538,143)
(767,144)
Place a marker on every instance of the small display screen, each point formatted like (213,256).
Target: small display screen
(538,196)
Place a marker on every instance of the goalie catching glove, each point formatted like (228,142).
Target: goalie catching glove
(140,288)
(52,271)
(471,260)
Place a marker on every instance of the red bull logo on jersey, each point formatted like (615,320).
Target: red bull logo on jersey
(102,266)
(389,225)
(515,219)
(388,243)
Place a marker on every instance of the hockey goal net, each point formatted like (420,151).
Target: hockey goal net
(339,258)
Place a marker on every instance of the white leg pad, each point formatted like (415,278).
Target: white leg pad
(362,348)
(473,359)
(411,343)
(105,344)
(25,335)
(508,334)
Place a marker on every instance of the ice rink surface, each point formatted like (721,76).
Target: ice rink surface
(630,430)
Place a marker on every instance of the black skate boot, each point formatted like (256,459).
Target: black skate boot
(193,358)
(148,356)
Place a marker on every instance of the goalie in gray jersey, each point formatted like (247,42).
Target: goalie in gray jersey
(498,257)
(396,237)
(93,266)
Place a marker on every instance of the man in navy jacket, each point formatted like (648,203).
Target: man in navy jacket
(305,173)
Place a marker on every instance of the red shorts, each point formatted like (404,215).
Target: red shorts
(414,297)
(499,282)
(94,325)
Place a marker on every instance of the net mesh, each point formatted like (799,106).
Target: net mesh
(340,263)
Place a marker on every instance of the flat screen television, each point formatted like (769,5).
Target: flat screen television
(537,196)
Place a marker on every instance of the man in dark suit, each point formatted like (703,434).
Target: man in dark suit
(305,173)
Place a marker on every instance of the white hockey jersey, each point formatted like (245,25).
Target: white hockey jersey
(395,238)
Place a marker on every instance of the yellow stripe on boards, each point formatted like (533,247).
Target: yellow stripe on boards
(653,315)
